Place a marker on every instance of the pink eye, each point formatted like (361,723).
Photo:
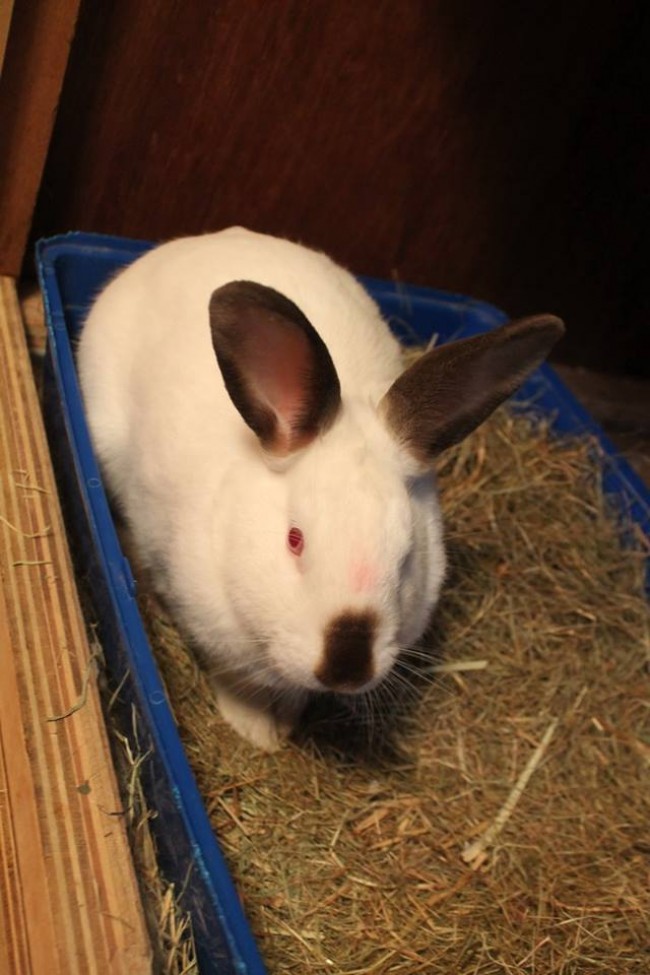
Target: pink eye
(295,541)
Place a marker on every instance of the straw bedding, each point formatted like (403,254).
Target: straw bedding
(523,729)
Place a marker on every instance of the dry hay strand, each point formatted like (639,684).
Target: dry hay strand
(170,927)
(353,864)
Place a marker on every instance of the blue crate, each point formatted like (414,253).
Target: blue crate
(72,269)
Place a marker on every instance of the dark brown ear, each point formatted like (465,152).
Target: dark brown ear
(449,391)
(275,366)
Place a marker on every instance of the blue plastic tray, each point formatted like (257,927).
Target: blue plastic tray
(72,269)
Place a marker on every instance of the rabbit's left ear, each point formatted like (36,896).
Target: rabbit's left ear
(447,393)
(275,366)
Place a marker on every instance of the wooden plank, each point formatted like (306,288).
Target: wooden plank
(6,7)
(36,55)
(69,901)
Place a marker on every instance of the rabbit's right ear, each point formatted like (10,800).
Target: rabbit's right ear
(450,390)
(275,366)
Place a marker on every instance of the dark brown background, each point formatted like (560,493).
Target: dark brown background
(499,149)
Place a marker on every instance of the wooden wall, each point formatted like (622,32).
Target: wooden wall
(492,147)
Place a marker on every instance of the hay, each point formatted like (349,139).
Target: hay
(350,862)
(170,927)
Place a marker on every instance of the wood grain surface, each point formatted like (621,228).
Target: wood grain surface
(69,900)
(37,44)
(491,147)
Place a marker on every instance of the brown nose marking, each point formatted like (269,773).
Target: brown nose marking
(347,653)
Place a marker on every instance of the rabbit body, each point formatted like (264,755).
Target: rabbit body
(251,413)
(210,517)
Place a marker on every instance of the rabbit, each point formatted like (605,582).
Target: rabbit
(256,427)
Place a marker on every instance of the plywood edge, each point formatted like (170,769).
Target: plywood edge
(37,39)
(69,898)
(6,8)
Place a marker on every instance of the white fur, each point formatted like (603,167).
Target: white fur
(210,516)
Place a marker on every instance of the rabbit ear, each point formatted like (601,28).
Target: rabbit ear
(449,391)
(275,366)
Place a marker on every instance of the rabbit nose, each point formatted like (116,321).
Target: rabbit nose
(347,661)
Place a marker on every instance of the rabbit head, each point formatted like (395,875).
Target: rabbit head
(336,546)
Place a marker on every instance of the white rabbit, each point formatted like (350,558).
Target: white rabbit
(253,421)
